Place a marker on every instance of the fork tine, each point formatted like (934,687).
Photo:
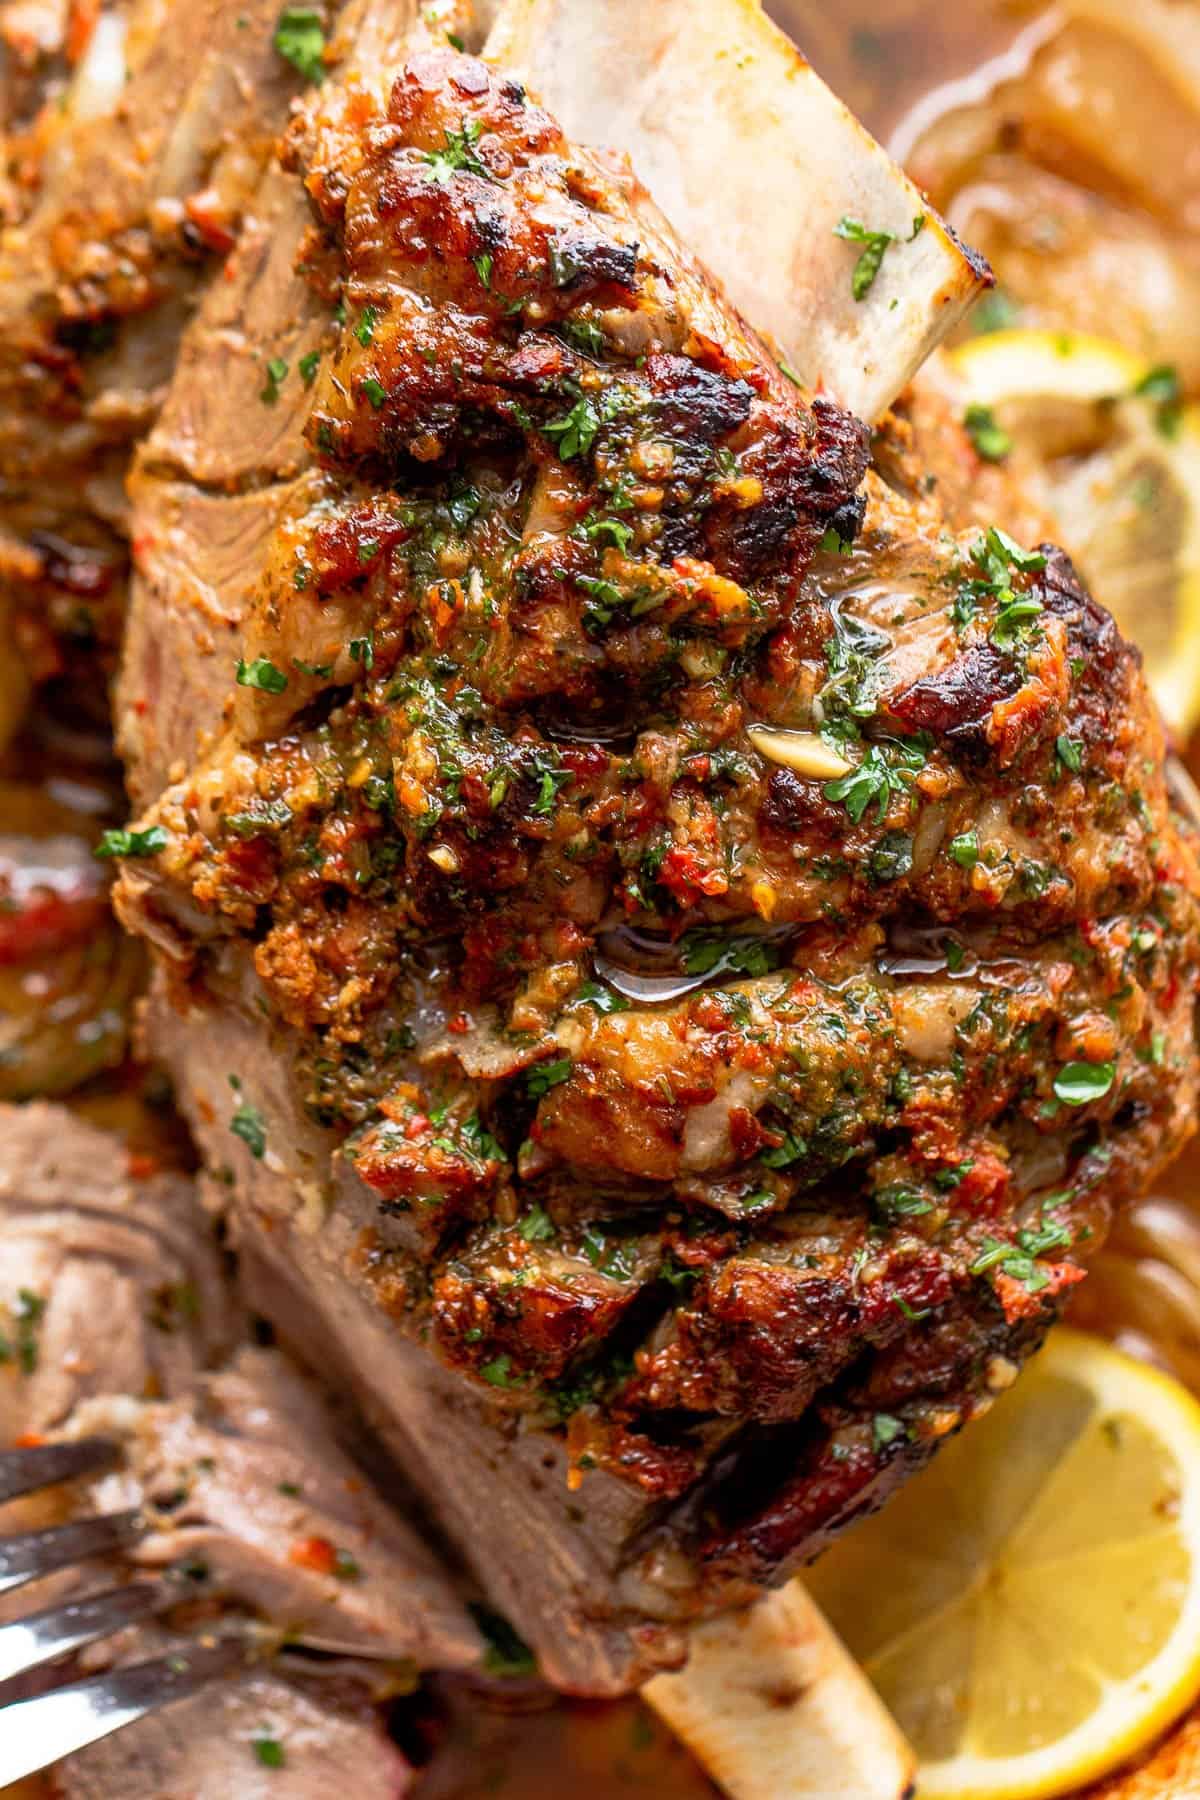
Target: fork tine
(56,1631)
(34,1733)
(41,1465)
(37,1553)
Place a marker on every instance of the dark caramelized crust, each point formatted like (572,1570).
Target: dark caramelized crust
(728,916)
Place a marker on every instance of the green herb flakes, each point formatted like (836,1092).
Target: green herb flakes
(874,244)
(268,1751)
(990,440)
(124,842)
(1079,1083)
(300,40)
(261,674)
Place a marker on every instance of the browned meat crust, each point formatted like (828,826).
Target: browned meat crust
(735,1109)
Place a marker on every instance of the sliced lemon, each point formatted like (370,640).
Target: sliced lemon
(1117,470)
(1029,1606)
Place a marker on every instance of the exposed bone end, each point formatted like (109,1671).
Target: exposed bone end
(774,1708)
(754,162)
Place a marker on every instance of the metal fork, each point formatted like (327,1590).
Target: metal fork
(36,1732)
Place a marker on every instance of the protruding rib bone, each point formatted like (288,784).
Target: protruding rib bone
(775,1709)
(754,162)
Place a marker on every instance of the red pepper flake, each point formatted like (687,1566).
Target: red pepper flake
(210,219)
(315,1553)
(1019,1303)
(460,1024)
(141,1164)
(81,23)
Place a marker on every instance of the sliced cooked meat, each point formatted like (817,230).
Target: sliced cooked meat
(500,1493)
(127,193)
(265,1736)
(697,936)
(226,464)
(109,1277)
(252,1494)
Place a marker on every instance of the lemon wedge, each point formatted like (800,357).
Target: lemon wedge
(1101,442)
(1029,1606)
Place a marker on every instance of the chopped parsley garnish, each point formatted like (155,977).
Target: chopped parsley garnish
(885,1429)
(900,1201)
(496,1373)
(276,374)
(364,331)
(362,650)
(262,674)
(965,849)
(457,155)
(913,1314)
(889,767)
(551,781)
(584,335)
(27,1310)
(259,818)
(990,439)
(307,367)
(1162,385)
(1018,1261)
(268,1751)
(1012,618)
(483,267)
(374,390)
(1069,753)
(995,555)
(575,432)
(851,657)
(1077,1083)
(537,1227)
(248,1124)
(300,40)
(603,999)
(891,859)
(615,530)
(120,841)
(714,953)
(782,1156)
(543,1076)
(874,244)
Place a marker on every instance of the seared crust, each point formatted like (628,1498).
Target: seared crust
(740,1120)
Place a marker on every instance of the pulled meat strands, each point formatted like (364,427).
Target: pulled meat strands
(246,1483)
(137,179)
(501,704)
(109,1276)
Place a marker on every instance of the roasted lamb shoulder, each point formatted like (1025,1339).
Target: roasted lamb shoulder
(701,934)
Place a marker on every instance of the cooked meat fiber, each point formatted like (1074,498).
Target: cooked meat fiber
(110,1280)
(701,935)
(266,1736)
(252,1494)
(126,193)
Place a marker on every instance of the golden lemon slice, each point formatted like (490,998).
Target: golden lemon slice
(1029,1606)
(1101,440)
